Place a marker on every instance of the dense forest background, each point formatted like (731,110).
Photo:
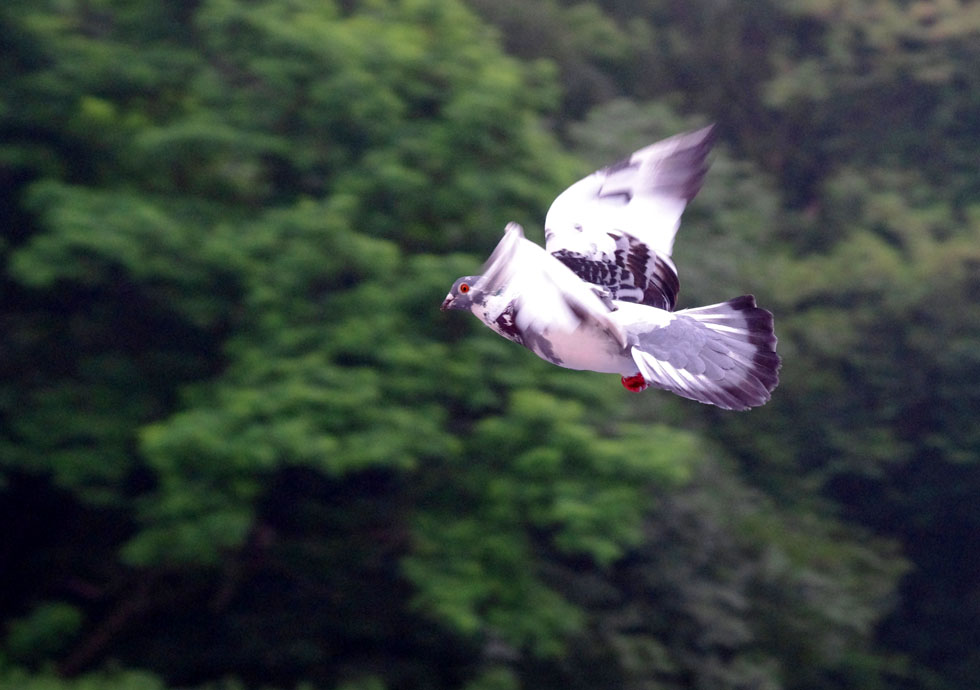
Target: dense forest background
(240,447)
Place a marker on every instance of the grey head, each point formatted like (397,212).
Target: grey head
(462,295)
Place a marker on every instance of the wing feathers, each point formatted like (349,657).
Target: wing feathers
(625,217)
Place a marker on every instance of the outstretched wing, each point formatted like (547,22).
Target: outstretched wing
(541,293)
(615,228)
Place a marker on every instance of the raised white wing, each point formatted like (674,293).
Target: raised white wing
(547,295)
(616,227)
(643,195)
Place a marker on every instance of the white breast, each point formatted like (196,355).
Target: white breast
(589,348)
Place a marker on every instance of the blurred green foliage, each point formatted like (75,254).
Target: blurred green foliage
(241,448)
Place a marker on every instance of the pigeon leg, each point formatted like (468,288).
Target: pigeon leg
(635,383)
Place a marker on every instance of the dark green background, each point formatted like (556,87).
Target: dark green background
(240,447)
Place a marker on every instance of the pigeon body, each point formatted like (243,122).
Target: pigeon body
(600,295)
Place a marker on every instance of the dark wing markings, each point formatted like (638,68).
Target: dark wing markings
(634,273)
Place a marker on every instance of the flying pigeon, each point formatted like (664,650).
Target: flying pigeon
(600,296)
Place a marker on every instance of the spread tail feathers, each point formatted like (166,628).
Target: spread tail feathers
(723,354)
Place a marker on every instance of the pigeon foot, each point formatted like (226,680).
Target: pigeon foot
(635,383)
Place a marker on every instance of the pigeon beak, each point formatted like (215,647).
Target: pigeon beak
(447,303)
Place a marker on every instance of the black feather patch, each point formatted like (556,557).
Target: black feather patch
(506,325)
(634,272)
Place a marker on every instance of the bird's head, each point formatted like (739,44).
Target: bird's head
(462,294)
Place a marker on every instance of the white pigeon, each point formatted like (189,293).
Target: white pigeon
(600,295)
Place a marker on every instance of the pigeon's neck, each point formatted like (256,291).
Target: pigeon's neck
(491,306)
(500,314)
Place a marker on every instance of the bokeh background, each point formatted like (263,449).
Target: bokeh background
(240,447)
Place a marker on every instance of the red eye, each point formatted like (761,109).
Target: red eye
(464,288)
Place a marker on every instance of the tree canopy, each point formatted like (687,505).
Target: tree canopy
(240,447)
